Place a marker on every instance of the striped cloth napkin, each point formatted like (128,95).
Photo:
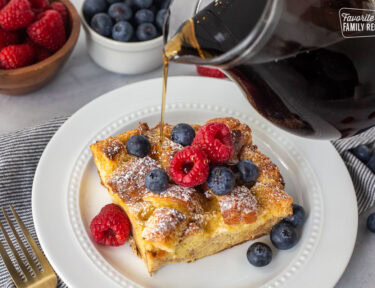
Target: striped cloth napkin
(20,152)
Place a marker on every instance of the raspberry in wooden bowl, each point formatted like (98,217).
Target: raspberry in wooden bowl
(36,39)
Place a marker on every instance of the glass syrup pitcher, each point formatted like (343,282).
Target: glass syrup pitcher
(289,57)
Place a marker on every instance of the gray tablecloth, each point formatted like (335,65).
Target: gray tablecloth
(20,152)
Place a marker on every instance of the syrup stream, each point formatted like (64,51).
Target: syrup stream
(171,50)
(163,99)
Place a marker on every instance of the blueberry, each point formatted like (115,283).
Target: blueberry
(110,2)
(284,236)
(142,4)
(92,7)
(157,180)
(183,134)
(221,180)
(122,31)
(298,218)
(248,171)
(144,16)
(362,152)
(371,163)
(120,12)
(160,18)
(102,24)
(138,145)
(371,222)
(146,31)
(259,254)
(130,3)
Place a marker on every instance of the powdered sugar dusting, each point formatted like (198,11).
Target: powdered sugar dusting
(196,223)
(240,199)
(169,144)
(188,197)
(182,193)
(131,175)
(169,149)
(163,223)
(278,194)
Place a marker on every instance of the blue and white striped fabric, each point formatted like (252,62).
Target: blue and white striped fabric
(363,178)
(20,152)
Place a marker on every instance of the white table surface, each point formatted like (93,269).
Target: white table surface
(81,81)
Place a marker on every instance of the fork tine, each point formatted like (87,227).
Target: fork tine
(8,263)
(42,259)
(14,251)
(20,243)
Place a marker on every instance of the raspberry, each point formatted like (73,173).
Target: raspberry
(16,14)
(8,38)
(48,31)
(40,5)
(16,56)
(59,7)
(41,53)
(210,72)
(189,167)
(111,227)
(3,3)
(215,140)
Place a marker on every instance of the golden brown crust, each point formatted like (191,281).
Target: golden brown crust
(165,226)
(185,224)
(239,206)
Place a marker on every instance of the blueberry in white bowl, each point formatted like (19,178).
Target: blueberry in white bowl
(121,48)
(146,31)
(142,4)
(120,12)
(92,7)
(122,31)
(160,18)
(136,12)
(144,16)
(102,24)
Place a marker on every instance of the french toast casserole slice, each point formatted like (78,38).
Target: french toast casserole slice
(185,224)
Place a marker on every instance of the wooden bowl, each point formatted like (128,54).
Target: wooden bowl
(31,78)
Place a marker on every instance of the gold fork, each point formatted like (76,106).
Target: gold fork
(45,278)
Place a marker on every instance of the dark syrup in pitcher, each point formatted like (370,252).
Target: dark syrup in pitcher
(316,92)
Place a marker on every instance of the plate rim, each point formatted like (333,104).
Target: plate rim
(87,108)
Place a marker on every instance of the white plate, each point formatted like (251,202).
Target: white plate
(67,194)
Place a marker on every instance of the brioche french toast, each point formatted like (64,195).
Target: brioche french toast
(183,224)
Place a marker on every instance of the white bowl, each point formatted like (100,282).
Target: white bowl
(123,57)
